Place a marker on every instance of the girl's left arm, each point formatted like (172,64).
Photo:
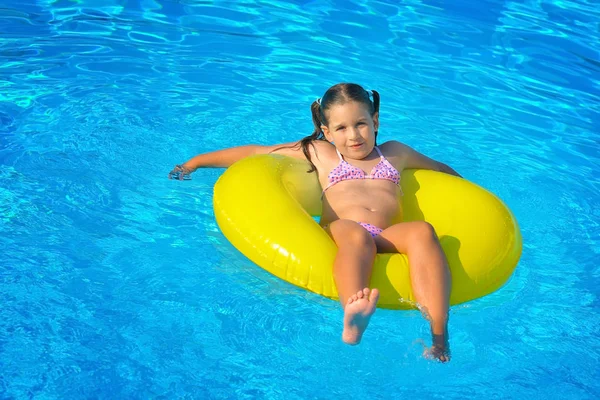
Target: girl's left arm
(413,159)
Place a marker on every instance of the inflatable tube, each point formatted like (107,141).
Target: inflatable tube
(263,205)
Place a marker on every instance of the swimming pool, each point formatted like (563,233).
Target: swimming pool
(116,282)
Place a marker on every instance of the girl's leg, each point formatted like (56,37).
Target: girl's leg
(429,274)
(352,271)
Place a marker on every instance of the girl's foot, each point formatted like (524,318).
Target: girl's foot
(357,314)
(439,350)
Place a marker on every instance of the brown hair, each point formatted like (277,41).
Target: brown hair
(338,94)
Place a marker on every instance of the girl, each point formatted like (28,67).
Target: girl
(361,185)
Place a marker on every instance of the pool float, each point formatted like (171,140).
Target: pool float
(265,205)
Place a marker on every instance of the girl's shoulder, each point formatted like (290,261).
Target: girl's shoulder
(321,151)
(323,146)
(403,156)
(396,153)
(394,148)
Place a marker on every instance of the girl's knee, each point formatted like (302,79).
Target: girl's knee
(423,232)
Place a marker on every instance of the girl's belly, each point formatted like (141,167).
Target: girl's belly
(379,206)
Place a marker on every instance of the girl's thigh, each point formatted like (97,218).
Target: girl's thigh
(400,238)
(349,234)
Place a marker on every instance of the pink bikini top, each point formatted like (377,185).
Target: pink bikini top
(344,172)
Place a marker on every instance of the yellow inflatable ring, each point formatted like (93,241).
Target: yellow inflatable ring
(263,205)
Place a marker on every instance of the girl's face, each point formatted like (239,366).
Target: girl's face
(351,129)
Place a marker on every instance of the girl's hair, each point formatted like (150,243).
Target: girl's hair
(338,94)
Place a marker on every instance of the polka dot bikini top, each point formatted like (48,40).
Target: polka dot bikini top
(344,172)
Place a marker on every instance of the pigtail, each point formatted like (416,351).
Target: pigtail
(317,134)
(375,94)
(375,101)
(315,111)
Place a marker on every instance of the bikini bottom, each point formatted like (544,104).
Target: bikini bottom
(372,229)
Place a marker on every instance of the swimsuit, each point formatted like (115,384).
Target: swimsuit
(345,172)
(372,229)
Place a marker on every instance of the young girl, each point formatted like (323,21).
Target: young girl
(361,185)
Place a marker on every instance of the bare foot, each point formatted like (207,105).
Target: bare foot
(357,314)
(439,350)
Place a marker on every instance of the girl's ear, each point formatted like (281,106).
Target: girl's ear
(376,121)
(326,133)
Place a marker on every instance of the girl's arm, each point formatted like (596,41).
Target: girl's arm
(224,158)
(413,159)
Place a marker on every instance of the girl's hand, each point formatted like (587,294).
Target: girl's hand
(180,173)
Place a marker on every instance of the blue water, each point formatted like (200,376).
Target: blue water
(116,282)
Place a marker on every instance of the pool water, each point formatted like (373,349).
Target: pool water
(115,282)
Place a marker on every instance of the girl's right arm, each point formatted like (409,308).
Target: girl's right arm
(224,158)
